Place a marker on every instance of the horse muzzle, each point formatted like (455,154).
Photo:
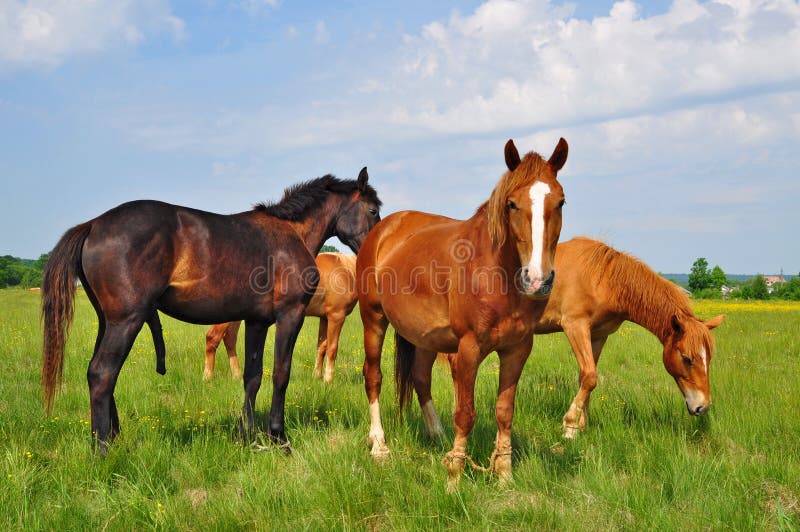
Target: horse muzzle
(536,288)
(697,403)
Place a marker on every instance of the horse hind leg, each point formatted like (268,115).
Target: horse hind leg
(335,323)
(102,374)
(422,373)
(375,324)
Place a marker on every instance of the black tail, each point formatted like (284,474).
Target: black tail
(58,291)
(404,353)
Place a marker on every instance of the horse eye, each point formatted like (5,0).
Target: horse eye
(512,205)
(687,360)
(373,211)
(561,203)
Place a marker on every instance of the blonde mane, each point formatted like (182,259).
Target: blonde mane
(529,169)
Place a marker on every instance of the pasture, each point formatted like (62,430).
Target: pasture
(644,463)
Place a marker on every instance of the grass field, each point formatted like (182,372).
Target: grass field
(644,463)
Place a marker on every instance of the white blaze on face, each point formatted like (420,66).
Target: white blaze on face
(703,358)
(538,194)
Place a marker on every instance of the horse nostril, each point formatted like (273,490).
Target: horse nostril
(699,410)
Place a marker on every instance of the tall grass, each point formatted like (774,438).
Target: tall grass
(178,463)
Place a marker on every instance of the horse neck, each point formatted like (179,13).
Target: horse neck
(319,223)
(504,256)
(650,304)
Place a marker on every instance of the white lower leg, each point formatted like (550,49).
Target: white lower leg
(376,439)
(432,421)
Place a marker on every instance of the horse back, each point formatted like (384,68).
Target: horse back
(197,266)
(579,294)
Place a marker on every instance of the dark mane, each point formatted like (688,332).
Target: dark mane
(299,199)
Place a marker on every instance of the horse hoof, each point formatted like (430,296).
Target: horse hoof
(207,377)
(452,485)
(317,373)
(570,433)
(379,449)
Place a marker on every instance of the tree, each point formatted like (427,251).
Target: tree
(759,288)
(718,277)
(699,277)
(328,249)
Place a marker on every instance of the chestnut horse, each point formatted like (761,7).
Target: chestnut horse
(597,289)
(470,287)
(333,301)
(146,256)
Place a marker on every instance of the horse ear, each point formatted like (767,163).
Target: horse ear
(559,157)
(715,321)
(676,324)
(363,177)
(512,155)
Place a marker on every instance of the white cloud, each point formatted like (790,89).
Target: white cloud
(46,32)
(525,63)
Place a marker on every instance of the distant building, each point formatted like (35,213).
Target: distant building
(772,280)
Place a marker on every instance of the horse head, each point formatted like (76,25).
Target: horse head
(359,214)
(687,356)
(525,208)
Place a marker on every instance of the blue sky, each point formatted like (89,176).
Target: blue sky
(683,117)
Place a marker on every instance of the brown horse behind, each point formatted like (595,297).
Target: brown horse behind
(597,289)
(332,302)
(472,286)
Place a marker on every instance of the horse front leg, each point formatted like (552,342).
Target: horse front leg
(512,361)
(213,338)
(230,346)
(421,373)
(322,346)
(597,348)
(465,370)
(288,327)
(579,336)
(255,334)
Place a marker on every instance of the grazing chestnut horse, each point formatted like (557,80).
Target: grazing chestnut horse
(471,287)
(333,301)
(146,256)
(597,289)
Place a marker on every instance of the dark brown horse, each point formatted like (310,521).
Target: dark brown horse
(333,301)
(146,256)
(471,287)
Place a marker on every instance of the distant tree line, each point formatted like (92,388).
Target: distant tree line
(24,273)
(27,273)
(708,284)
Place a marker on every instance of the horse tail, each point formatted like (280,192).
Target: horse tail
(58,291)
(404,353)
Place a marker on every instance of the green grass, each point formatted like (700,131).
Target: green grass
(644,463)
